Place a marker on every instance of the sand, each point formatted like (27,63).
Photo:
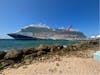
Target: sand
(63,66)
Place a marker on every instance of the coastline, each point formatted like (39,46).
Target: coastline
(21,44)
(35,58)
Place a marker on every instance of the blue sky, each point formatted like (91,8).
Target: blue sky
(81,14)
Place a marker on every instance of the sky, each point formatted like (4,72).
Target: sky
(83,15)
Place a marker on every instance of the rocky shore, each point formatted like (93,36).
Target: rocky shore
(16,58)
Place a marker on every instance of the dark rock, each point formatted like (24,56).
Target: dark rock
(43,47)
(72,47)
(29,58)
(77,45)
(89,43)
(28,51)
(2,54)
(40,53)
(6,63)
(93,42)
(59,47)
(75,48)
(69,48)
(14,55)
(53,48)
(84,46)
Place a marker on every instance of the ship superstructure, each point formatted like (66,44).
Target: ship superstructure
(42,31)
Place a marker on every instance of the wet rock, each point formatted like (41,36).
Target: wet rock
(14,55)
(2,54)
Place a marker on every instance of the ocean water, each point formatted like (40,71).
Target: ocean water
(8,44)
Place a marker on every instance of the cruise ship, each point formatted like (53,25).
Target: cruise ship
(44,32)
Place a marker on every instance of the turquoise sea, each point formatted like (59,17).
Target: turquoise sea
(7,44)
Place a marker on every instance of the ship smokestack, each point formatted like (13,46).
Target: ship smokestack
(68,28)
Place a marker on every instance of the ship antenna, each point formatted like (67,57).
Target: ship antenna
(68,28)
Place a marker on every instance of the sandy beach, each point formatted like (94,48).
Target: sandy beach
(76,59)
(64,66)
